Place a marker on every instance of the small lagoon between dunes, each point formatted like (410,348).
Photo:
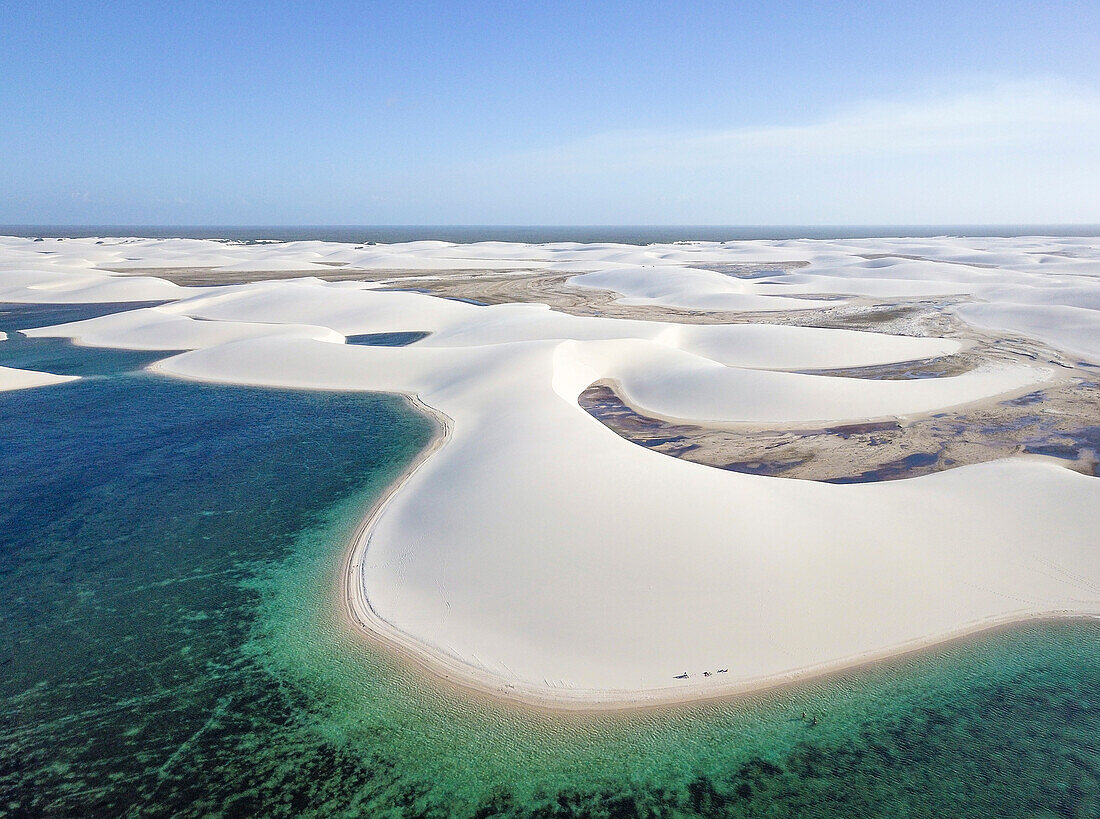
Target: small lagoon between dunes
(172,645)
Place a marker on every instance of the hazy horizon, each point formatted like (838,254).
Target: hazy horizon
(462,234)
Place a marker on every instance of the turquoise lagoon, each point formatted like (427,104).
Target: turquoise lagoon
(170,644)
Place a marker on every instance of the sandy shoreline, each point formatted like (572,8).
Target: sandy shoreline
(464,678)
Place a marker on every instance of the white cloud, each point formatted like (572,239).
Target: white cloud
(1008,152)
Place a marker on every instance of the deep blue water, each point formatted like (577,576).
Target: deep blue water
(134,511)
(386,339)
(61,356)
(25,316)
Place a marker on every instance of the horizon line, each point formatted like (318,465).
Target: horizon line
(518,225)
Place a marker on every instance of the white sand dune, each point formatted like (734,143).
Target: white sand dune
(538,555)
(57,287)
(12,378)
(154,328)
(673,384)
(1073,329)
(780,347)
(688,288)
(551,554)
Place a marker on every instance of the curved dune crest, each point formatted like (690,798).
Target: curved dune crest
(677,385)
(84,287)
(155,328)
(538,555)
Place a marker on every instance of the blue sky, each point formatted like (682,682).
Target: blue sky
(553,113)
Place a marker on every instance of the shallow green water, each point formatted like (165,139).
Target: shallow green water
(169,646)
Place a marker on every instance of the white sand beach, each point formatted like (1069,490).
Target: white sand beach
(536,555)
